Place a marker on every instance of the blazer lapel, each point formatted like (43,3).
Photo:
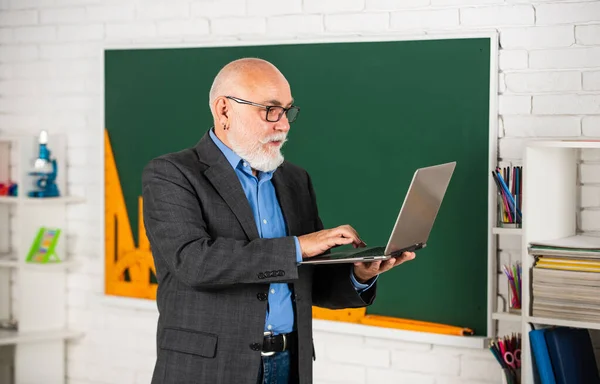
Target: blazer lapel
(227,184)
(223,178)
(285,194)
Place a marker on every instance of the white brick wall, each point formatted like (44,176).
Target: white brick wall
(353,21)
(591,81)
(590,126)
(588,34)
(538,37)
(425,19)
(567,12)
(505,15)
(527,82)
(49,51)
(294,25)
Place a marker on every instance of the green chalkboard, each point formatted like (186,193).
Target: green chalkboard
(371,113)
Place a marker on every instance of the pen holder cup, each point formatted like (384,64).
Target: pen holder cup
(506,213)
(511,376)
(514,298)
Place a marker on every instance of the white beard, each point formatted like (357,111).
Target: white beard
(255,151)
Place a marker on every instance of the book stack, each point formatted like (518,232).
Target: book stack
(566,278)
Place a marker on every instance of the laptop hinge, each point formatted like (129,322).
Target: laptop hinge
(412,248)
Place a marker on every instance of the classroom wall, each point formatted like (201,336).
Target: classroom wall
(49,78)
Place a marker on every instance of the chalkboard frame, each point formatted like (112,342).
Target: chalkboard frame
(493,113)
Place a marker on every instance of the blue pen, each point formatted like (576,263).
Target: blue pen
(510,199)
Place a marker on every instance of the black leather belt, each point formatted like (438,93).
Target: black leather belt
(278,343)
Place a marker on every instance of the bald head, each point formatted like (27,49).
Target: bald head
(242,77)
(248,100)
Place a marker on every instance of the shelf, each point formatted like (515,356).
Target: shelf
(8,260)
(51,266)
(53,200)
(506,316)
(10,139)
(562,322)
(35,294)
(10,337)
(567,143)
(507,231)
(40,200)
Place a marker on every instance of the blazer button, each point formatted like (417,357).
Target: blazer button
(255,347)
(262,296)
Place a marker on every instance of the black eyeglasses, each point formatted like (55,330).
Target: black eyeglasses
(274,112)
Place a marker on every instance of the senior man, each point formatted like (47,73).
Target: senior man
(229,222)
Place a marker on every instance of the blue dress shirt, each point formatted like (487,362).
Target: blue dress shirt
(270,224)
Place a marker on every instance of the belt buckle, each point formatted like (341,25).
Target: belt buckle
(262,353)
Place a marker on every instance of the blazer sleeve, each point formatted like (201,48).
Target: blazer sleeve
(178,236)
(332,286)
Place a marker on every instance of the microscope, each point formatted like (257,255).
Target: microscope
(45,170)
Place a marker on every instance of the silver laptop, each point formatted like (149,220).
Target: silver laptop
(413,225)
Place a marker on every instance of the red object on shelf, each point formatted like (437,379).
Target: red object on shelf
(7,189)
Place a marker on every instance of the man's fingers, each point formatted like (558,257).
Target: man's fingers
(375,265)
(333,241)
(404,257)
(386,265)
(370,269)
(348,234)
(349,228)
(348,231)
(389,264)
(368,266)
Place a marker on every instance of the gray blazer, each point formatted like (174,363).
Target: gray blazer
(214,270)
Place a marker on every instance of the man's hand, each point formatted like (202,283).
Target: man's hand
(319,242)
(366,271)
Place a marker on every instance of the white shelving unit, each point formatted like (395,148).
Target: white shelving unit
(550,209)
(507,231)
(506,316)
(38,300)
(512,320)
(495,313)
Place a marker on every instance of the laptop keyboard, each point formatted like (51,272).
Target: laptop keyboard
(378,251)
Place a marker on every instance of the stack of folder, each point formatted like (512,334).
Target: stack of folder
(566,278)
